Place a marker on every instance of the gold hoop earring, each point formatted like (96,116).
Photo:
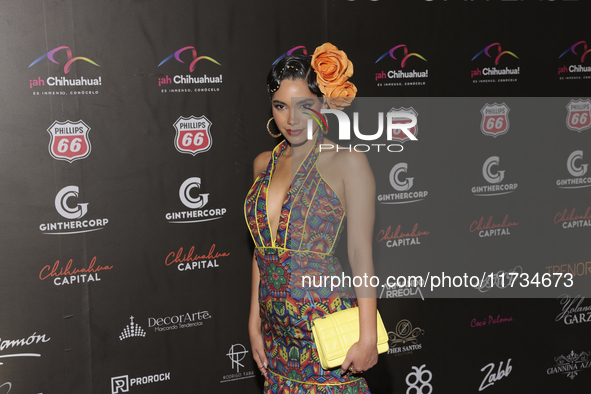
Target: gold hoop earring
(269,130)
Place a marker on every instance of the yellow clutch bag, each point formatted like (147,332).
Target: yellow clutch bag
(335,333)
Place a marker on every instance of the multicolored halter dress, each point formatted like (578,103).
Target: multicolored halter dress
(310,225)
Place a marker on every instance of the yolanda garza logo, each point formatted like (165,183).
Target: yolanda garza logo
(573,310)
(491,377)
(494,177)
(17,343)
(571,219)
(404,339)
(402,77)
(495,119)
(132,330)
(481,322)
(67,275)
(188,83)
(400,238)
(66,208)
(571,364)
(196,203)
(122,384)
(494,53)
(577,170)
(578,117)
(577,54)
(491,228)
(402,184)
(190,261)
(192,134)
(63,81)
(69,140)
(237,354)
(401,125)
(175,322)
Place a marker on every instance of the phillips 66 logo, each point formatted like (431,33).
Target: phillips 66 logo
(192,134)
(397,134)
(495,119)
(69,140)
(578,117)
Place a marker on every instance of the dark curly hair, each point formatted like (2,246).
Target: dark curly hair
(293,67)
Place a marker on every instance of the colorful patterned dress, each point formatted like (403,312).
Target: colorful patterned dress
(310,225)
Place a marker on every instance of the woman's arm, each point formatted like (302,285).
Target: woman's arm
(359,195)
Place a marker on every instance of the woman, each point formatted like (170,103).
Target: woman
(295,211)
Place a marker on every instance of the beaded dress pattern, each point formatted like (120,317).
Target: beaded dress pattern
(311,221)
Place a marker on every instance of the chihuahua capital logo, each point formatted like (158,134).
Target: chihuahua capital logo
(193,63)
(50,55)
(403,57)
(490,53)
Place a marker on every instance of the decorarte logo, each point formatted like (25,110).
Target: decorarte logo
(132,330)
(192,135)
(197,205)
(495,119)
(402,77)
(494,52)
(186,83)
(63,81)
(64,206)
(576,52)
(69,140)
(571,364)
(578,117)
(68,275)
(236,354)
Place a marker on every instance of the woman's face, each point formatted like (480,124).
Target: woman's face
(290,115)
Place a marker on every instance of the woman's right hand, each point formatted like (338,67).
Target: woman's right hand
(258,351)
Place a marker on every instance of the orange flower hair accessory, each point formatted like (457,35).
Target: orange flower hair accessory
(333,70)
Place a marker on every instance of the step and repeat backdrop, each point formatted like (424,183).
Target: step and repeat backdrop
(128,132)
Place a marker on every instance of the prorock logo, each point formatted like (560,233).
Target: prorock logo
(68,65)
(69,140)
(193,63)
(192,134)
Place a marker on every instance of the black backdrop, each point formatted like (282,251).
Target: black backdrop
(135,319)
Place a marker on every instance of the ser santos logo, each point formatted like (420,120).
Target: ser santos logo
(197,202)
(68,204)
(403,185)
(494,176)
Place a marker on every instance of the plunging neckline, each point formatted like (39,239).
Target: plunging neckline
(271,171)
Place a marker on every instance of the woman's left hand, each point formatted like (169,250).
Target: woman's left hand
(360,357)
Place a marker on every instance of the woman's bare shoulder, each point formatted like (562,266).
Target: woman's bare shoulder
(261,162)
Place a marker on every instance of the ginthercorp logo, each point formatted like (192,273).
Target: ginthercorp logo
(402,77)
(122,384)
(494,176)
(132,330)
(192,134)
(404,339)
(196,202)
(237,353)
(578,169)
(576,55)
(578,117)
(67,206)
(63,81)
(495,119)
(69,140)
(402,183)
(570,365)
(204,83)
(493,53)
(419,380)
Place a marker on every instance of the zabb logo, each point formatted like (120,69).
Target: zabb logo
(69,140)
(66,206)
(197,203)
(495,119)
(493,176)
(402,184)
(577,169)
(578,117)
(192,134)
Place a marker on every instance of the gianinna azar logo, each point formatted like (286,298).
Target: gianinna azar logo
(576,55)
(69,140)
(493,53)
(189,83)
(85,83)
(402,77)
